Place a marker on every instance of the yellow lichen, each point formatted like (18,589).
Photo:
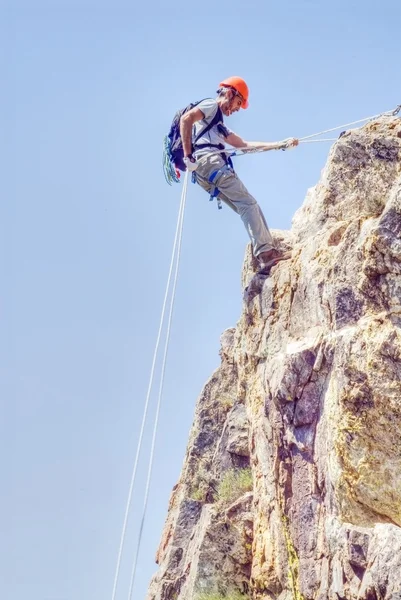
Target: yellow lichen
(293,561)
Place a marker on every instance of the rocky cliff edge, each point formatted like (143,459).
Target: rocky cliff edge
(291,484)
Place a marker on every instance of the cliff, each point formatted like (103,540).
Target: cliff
(291,484)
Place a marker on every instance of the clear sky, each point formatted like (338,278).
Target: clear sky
(88,92)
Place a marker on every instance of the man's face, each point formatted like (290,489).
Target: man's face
(231,103)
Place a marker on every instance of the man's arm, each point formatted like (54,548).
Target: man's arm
(237,142)
(186,123)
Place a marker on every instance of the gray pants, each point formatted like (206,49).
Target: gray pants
(236,196)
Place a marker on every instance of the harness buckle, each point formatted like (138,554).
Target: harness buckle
(214,192)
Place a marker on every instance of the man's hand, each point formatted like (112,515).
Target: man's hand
(190,163)
(287,144)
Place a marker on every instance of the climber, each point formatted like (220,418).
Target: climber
(215,173)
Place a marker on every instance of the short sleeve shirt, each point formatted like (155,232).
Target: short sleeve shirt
(217,134)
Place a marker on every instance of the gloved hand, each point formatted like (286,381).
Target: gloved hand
(190,163)
(288,143)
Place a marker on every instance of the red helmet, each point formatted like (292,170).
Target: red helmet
(239,85)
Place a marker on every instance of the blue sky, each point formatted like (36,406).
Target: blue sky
(88,92)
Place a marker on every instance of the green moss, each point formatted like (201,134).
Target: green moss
(197,494)
(234,484)
(199,486)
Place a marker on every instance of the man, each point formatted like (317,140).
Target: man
(215,173)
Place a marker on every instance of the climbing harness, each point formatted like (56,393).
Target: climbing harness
(175,259)
(214,178)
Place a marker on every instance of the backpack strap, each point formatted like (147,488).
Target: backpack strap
(218,117)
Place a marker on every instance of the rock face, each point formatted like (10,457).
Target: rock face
(291,486)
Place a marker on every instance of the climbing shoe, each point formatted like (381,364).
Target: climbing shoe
(268,259)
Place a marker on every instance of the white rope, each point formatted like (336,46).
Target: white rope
(247,150)
(389,112)
(151,460)
(317,141)
(177,240)
(156,423)
(229,152)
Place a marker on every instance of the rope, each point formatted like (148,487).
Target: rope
(392,112)
(156,423)
(170,174)
(177,242)
(304,140)
(316,141)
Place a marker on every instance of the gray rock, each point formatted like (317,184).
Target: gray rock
(308,395)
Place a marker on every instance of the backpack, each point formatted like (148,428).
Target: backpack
(173,142)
